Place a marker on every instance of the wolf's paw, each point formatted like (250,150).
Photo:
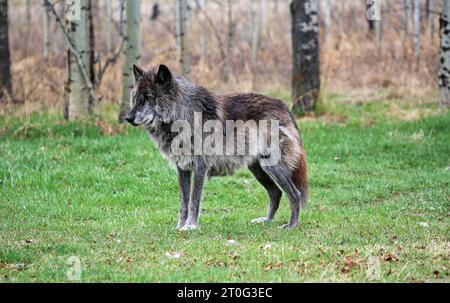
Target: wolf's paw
(188,227)
(288,226)
(259,221)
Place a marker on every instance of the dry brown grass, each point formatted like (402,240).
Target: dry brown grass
(352,65)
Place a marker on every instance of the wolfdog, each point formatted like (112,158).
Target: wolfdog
(161,98)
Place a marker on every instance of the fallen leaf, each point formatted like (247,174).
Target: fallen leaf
(271,266)
(350,262)
(390,257)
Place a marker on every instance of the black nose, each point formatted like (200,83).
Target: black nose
(130,120)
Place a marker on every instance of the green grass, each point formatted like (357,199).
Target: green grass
(378,189)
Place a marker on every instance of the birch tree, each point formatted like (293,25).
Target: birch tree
(184,52)
(306,64)
(131,53)
(204,34)
(341,18)
(255,28)
(230,37)
(177,24)
(5,60)
(416,12)
(444,70)
(264,22)
(79,92)
(431,28)
(370,20)
(109,26)
(46,9)
(328,17)
(374,19)
(406,8)
(91,6)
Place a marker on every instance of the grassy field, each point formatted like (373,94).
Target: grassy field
(379,170)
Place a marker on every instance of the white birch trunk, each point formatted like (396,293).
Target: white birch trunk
(444,70)
(46,30)
(230,34)
(131,53)
(341,18)
(177,24)
(77,17)
(328,17)
(431,27)
(109,26)
(204,33)
(416,11)
(378,33)
(184,52)
(264,22)
(406,8)
(256,21)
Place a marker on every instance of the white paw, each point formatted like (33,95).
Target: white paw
(189,227)
(288,227)
(259,220)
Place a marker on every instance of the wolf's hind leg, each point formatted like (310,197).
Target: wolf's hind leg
(272,189)
(282,177)
(184,188)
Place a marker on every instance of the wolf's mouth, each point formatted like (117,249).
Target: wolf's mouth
(150,120)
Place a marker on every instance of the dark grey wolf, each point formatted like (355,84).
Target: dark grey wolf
(160,98)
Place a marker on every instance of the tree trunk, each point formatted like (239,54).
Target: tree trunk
(256,21)
(431,7)
(79,94)
(416,8)
(184,52)
(444,71)
(341,19)
(5,61)
(109,26)
(132,53)
(177,24)
(306,63)
(46,30)
(374,20)
(406,8)
(328,19)
(378,29)
(91,6)
(264,23)
(370,21)
(204,34)
(230,34)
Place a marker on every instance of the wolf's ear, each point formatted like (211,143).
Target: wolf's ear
(164,76)
(138,72)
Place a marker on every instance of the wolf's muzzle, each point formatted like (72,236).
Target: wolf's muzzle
(131,120)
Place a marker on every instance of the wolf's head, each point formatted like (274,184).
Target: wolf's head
(152,96)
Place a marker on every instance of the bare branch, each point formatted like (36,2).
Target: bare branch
(74,51)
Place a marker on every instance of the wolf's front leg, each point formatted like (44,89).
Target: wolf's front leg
(184,188)
(200,171)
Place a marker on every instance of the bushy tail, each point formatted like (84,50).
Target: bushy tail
(300,179)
